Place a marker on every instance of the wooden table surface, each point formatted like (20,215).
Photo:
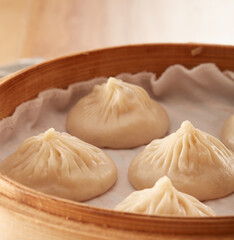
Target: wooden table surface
(52,28)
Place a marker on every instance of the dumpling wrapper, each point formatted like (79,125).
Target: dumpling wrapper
(164,199)
(227,133)
(196,162)
(116,115)
(61,165)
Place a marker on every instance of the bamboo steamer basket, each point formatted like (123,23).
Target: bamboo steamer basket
(27,214)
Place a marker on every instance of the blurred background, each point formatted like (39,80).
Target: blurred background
(47,29)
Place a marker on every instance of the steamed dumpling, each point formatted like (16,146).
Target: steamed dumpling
(61,165)
(196,162)
(227,134)
(117,114)
(164,199)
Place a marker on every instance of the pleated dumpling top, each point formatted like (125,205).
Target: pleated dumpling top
(117,114)
(196,162)
(164,199)
(61,165)
(227,133)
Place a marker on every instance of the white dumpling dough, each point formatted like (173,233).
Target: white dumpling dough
(164,199)
(117,114)
(61,165)
(196,162)
(227,133)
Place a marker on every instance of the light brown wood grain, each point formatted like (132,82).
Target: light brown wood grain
(14,17)
(28,214)
(52,28)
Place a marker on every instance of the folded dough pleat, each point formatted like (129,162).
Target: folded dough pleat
(61,165)
(196,162)
(164,199)
(116,115)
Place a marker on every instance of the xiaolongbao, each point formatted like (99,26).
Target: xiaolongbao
(61,165)
(164,199)
(117,114)
(196,162)
(227,133)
